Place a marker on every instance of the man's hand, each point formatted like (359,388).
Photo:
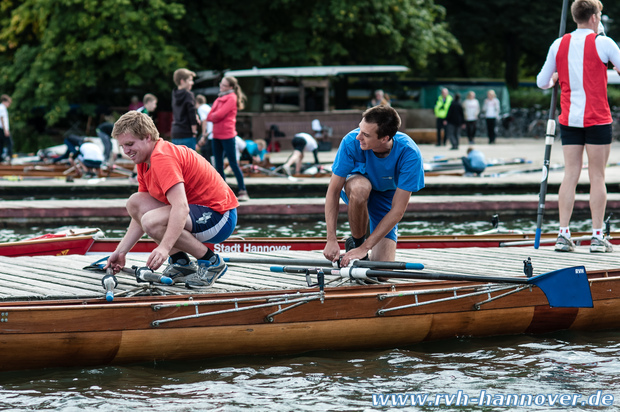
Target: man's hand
(157,257)
(332,250)
(354,254)
(116,261)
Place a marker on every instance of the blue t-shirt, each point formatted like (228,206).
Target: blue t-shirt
(401,169)
(252,149)
(477,159)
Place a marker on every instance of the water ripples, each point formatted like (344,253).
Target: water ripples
(560,363)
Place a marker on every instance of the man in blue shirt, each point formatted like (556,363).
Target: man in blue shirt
(375,171)
(474,162)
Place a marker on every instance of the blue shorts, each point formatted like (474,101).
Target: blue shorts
(211,226)
(379,204)
(597,135)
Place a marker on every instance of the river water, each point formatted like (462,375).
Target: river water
(542,370)
(536,372)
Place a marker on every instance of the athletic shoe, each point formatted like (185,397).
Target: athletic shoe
(287,170)
(349,244)
(598,245)
(178,272)
(208,271)
(564,244)
(243,196)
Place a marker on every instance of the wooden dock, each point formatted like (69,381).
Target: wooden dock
(63,277)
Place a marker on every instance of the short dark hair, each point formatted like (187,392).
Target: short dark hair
(582,10)
(386,119)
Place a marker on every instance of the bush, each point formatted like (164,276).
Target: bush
(528,97)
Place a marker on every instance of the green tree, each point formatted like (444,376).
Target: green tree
(504,38)
(262,33)
(54,53)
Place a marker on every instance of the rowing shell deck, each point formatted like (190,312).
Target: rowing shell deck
(63,277)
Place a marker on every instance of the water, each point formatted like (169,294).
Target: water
(563,363)
(554,364)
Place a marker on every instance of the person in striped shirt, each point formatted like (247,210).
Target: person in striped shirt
(578,60)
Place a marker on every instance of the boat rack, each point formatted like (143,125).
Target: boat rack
(477,290)
(295,300)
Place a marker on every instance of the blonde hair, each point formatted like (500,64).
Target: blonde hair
(148,98)
(241,98)
(182,74)
(137,124)
(261,142)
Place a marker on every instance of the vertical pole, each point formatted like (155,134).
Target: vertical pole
(550,137)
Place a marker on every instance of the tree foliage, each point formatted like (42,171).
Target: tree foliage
(55,53)
(504,38)
(289,32)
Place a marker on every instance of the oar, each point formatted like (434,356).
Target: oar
(541,241)
(325,263)
(550,137)
(565,288)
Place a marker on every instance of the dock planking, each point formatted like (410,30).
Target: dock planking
(63,277)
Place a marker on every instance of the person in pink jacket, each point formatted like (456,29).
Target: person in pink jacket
(223,115)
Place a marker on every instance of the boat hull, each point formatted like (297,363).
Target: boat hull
(145,329)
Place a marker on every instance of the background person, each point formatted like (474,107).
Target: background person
(441,111)
(379,98)
(491,108)
(149,104)
(89,159)
(474,163)
(5,131)
(181,203)
(578,60)
(223,114)
(302,142)
(454,122)
(206,128)
(184,123)
(471,110)
(375,171)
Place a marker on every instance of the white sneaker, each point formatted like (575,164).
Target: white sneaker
(598,245)
(564,244)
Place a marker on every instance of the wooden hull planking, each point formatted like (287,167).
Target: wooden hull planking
(92,332)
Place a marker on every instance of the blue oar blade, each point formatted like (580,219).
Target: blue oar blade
(565,288)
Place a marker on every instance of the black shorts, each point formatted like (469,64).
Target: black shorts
(598,135)
(299,143)
(92,164)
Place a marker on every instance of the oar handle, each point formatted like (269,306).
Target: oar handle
(109,282)
(145,274)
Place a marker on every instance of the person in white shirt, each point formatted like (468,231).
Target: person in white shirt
(5,132)
(206,140)
(90,157)
(302,142)
(471,109)
(491,113)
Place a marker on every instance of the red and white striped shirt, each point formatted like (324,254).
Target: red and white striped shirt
(580,59)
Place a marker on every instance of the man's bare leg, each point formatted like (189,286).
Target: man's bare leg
(598,155)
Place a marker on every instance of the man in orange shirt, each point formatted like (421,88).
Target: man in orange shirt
(181,202)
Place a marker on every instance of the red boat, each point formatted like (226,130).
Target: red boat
(89,241)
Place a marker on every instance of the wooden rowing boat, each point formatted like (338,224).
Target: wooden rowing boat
(90,331)
(89,241)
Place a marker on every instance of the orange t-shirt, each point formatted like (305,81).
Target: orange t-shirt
(172,164)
